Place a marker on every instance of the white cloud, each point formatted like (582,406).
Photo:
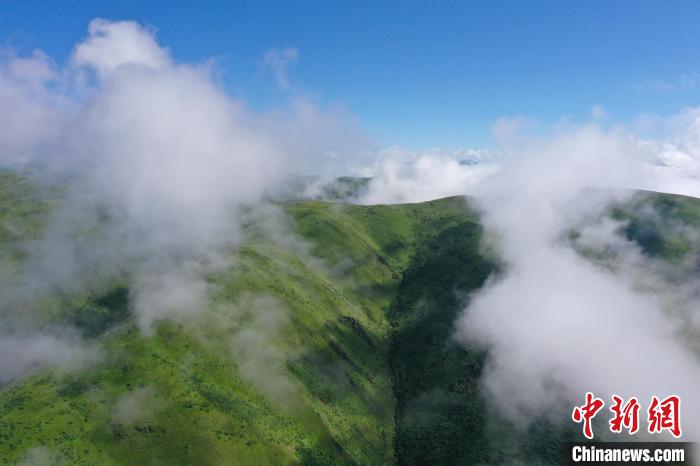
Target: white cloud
(278,60)
(556,325)
(157,161)
(111,44)
(675,159)
(403,176)
(506,131)
(31,114)
(25,351)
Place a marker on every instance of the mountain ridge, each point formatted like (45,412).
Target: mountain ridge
(334,347)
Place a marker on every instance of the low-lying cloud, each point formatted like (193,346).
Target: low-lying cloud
(24,351)
(253,345)
(403,176)
(157,162)
(154,161)
(555,323)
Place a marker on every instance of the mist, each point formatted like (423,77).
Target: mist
(158,164)
(400,175)
(557,324)
(155,162)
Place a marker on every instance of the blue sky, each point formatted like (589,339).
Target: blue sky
(416,73)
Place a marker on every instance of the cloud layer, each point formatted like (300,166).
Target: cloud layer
(155,161)
(404,176)
(557,325)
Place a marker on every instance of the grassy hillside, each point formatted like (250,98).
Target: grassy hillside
(23,212)
(288,364)
(664,226)
(436,379)
(330,345)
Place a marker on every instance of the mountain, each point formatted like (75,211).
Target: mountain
(331,343)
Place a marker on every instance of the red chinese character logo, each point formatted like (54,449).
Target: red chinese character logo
(626,416)
(665,415)
(587,412)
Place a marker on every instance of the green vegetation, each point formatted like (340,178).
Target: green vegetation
(316,390)
(438,400)
(662,225)
(344,188)
(333,348)
(23,213)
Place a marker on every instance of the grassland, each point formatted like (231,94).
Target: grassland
(334,347)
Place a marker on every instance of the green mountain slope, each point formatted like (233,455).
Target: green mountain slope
(329,346)
(288,364)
